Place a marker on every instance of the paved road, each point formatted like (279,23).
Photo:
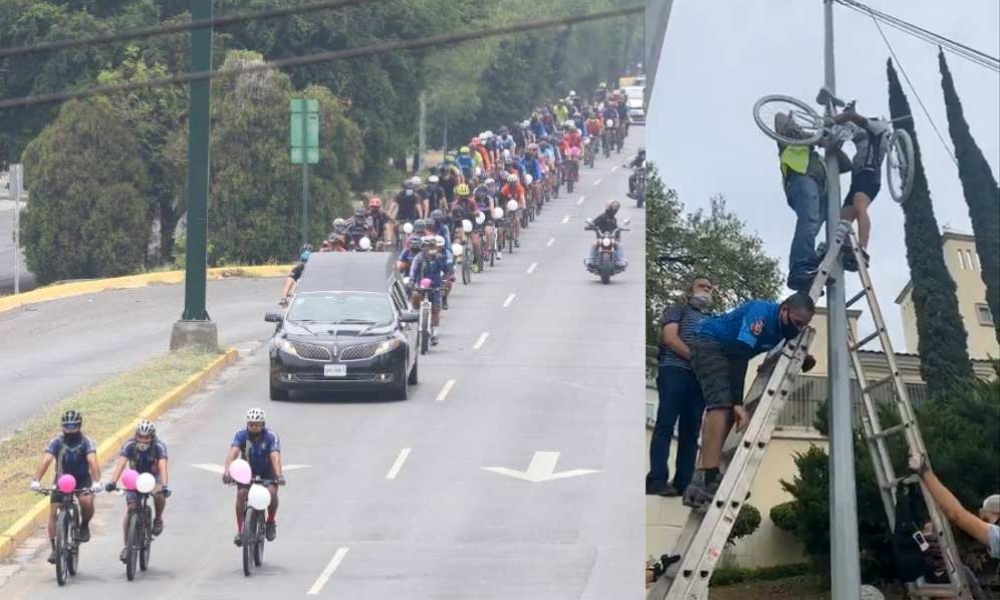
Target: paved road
(560,371)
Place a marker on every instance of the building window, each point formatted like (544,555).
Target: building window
(968,254)
(984,315)
(961,260)
(975,257)
(807,398)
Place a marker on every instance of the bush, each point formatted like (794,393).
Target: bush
(732,575)
(783,516)
(747,522)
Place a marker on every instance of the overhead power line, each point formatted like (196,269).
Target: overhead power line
(962,50)
(155,30)
(402,45)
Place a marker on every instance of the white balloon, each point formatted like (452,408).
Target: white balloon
(145,483)
(511,205)
(259,498)
(457,249)
(498,213)
(480,218)
(439,239)
(466,225)
(407,228)
(365,243)
(528,179)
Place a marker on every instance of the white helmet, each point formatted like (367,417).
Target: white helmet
(572,93)
(512,178)
(480,218)
(338,222)
(407,228)
(457,249)
(511,205)
(528,179)
(439,239)
(479,172)
(415,180)
(498,213)
(365,243)
(256,415)
(466,225)
(433,179)
(489,181)
(145,427)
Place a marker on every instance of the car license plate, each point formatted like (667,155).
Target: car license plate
(334,370)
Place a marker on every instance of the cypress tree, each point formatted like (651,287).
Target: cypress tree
(944,355)
(981,193)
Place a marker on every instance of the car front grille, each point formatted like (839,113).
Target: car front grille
(311,352)
(359,352)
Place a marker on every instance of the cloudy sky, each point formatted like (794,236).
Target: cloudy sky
(720,56)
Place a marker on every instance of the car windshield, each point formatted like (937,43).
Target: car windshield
(341,307)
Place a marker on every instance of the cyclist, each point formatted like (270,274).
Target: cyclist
(448,178)
(466,163)
(429,264)
(296,272)
(513,190)
(484,205)
(382,223)
(437,225)
(505,142)
(533,168)
(146,453)
(470,210)
(434,196)
(261,447)
(409,202)
(595,129)
(74,454)
(405,260)
(601,94)
(337,242)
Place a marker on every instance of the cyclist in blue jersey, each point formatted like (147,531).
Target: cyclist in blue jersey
(261,447)
(429,264)
(406,257)
(466,163)
(74,454)
(145,453)
(720,352)
(437,225)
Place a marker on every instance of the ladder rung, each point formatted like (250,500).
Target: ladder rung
(878,384)
(911,478)
(890,430)
(865,340)
(857,297)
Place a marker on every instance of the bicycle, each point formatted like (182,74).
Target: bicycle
(67,532)
(812,127)
(466,262)
(424,320)
(254,522)
(139,536)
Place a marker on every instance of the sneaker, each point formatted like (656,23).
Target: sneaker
(123,556)
(157,526)
(444,303)
(434,339)
(662,489)
(271,531)
(499,255)
(52,557)
(84,533)
(517,243)
(238,540)
(699,494)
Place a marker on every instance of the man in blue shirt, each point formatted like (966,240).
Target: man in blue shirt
(429,264)
(680,395)
(74,454)
(720,352)
(261,447)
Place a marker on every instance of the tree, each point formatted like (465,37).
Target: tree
(85,220)
(981,193)
(711,243)
(944,355)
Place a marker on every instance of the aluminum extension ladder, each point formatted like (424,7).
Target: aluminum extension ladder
(700,545)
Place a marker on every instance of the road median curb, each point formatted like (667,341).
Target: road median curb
(93,286)
(108,448)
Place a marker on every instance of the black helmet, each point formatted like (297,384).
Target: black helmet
(361,213)
(414,242)
(419,225)
(72,419)
(304,248)
(438,215)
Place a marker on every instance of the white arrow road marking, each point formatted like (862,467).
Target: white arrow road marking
(481,340)
(598,182)
(509,299)
(444,391)
(328,571)
(614,168)
(565,219)
(396,466)
(580,201)
(531,269)
(550,242)
(212,468)
(541,468)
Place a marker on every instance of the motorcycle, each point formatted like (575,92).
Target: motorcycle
(640,186)
(604,264)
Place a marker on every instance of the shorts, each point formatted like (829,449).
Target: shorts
(865,182)
(82,483)
(721,376)
(434,297)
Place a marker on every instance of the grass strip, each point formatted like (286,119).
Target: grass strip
(107,407)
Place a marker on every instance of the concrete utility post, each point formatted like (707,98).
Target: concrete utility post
(844,558)
(195,328)
(16,186)
(657,17)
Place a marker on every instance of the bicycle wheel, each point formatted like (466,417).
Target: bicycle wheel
(249,526)
(425,328)
(493,251)
(899,165)
(258,548)
(73,542)
(807,120)
(510,241)
(146,537)
(62,547)
(466,271)
(134,545)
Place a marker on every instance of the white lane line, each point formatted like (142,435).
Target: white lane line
(482,340)
(444,391)
(328,571)
(580,201)
(396,466)
(614,168)
(550,242)
(565,219)
(509,299)
(531,269)
(598,182)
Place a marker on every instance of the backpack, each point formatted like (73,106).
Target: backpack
(134,453)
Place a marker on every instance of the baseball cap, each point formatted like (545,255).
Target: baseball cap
(990,505)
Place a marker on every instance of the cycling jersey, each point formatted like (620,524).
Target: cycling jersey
(257,451)
(467,165)
(434,194)
(610,113)
(506,143)
(432,269)
(573,139)
(534,168)
(872,143)
(407,201)
(513,191)
(71,458)
(407,255)
(144,461)
(595,127)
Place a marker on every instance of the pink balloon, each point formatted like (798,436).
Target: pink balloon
(128,479)
(425,283)
(239,470)
(66,484)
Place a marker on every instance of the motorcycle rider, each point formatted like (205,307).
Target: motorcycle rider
(606,223)
(638,161)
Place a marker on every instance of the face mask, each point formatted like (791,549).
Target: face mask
(789,331)
(701,300)
(72,438)
(409,192)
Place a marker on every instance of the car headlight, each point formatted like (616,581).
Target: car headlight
(285,346)
(386,346)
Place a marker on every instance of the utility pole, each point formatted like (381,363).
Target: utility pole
(845,567)
(195,328)
(422,132)
(304,148)
(16,183)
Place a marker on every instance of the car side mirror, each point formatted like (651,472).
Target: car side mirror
(273,317)
(409,317)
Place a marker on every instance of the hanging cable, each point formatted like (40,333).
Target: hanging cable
(417,44)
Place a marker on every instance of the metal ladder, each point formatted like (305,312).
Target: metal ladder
(704,536)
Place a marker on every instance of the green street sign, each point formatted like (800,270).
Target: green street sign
(309,129)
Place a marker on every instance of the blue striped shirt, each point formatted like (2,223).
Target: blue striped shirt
(687,317)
